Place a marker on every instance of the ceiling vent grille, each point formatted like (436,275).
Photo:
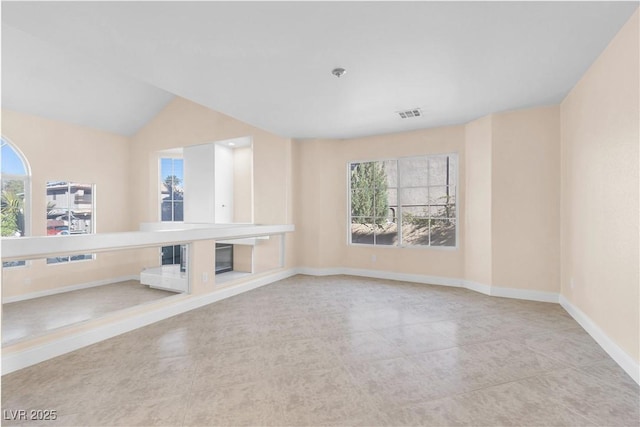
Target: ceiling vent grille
(415,112)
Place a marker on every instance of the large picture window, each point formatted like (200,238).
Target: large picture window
(70,210)
(409,201)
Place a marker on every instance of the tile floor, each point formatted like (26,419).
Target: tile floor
(36,316)
(339,351)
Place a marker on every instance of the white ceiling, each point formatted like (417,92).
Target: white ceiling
(269,64)
(46,80)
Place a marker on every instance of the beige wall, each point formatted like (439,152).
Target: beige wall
(61,151)
(477,216)
(242,258)
(183,123)
(525,199)
(600,138)
(321,203)
(508,201)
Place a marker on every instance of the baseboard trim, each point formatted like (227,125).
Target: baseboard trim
(381,274)
(621,357)
(64,289)
(525,294)
(19,359)
(436,280)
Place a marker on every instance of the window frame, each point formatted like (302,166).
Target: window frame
(399,214)
(28,203)
(173,157)
(175,249)
(70,183)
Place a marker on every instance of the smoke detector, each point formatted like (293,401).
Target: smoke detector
(407,114)
(338,72)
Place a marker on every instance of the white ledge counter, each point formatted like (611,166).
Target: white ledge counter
(151,234)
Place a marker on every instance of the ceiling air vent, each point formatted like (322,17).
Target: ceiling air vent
(415,112)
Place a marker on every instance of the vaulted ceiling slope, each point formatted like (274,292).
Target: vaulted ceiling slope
(269,63)
(51,81)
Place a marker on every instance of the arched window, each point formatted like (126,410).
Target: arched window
(16,185)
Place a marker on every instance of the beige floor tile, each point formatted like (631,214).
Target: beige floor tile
(362,346)
(571,346)
(338,350)
(513,404)
(471,367)
(602,402)
(417,338)
(441,412)
(254,403)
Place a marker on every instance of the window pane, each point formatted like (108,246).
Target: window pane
(414,196)
(414,201)
(383,200)
(453,169)
(178,210)
(171,188)
(12,211)
(7,264)
(171,255)
(13,206)
(369,189)
(443,232)
(12,163)
(167,210)
(361,176)
(390,168)
(386,231)
(415,230)
(442,201)
(392,204)
(69,210)
(413,171)
(81,208)
(362,230)
(362,202)
(80,257)
(438,170)
(63,259)
(57,260)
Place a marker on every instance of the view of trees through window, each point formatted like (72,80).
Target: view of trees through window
(172,201)
(69,211)
(15,187)
(405,202)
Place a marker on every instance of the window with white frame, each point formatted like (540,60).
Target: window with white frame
(15,183)
(172,202)
(70,210)
(410,201)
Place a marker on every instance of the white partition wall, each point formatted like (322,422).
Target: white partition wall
(199,183)
(223,184)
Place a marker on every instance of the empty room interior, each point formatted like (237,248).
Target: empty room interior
(320,213)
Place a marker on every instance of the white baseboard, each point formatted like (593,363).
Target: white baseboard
(476,286)
(525,294)
(436,280)
(15,360)
(64,289)
(381,274)
(621,357)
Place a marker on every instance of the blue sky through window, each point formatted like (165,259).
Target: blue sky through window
(11,161)
(170,166)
